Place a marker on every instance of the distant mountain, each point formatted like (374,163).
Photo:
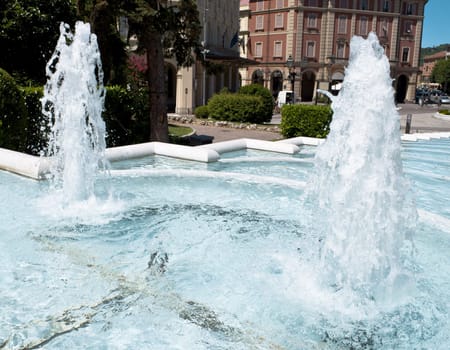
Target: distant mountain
(426,51)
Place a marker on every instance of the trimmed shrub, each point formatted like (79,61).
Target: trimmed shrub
(13,114)
(267,98)
(126,116)
(305,120)
(201,112)
(236,107)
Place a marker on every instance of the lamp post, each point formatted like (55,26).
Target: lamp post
(291,66)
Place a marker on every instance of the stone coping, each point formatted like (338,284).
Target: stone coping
(37,167)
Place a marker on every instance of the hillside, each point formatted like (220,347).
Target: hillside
(426,51)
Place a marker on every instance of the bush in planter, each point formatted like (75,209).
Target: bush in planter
(305,120)
(266,96)
(236,107)
(13,114)
(201,112)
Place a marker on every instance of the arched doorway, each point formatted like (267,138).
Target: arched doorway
(171,87)
(401,88)
(308,82)
(276,82)
(258,77)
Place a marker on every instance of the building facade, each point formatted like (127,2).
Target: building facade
(303,45)
(194,85)
(428,64)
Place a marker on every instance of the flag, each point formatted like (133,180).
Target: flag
(234,40)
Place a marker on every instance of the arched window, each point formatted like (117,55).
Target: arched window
(258,77)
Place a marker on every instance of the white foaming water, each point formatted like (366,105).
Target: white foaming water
(73,102)
(363,213)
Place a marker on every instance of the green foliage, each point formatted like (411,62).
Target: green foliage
(444,111)
(441,74)
(103,19)
(28,35)
(267,100)
(126,116)
(38,125)
(201,112)
(13,114)
(180,25)
(305,120)
(427,51)
(236,107)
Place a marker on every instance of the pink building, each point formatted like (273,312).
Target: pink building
(304,44)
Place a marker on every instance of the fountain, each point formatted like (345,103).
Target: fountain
(361,197)
(254,250)
(73,103)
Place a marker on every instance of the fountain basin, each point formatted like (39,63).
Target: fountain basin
(207,255)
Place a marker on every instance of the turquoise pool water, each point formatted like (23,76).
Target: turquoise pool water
(181,255)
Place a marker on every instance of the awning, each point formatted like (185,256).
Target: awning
(229,56)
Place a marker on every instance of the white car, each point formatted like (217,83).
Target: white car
(444,99)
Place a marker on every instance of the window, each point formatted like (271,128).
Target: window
(259,23)
(364,5)
(259,5)
(343,4)
(279,20)
(280,4)
(405,54)
(312,20)
(310,49)
(363,26)
(340,51)
(277,49)
(311,3)
(411,8)
(342,25)
(385,5)
(258,49)
(383,28)
(408,28)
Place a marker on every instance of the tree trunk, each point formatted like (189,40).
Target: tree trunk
(159,130)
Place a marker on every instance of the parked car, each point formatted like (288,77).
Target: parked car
(444,99)
(435,96)
(422,96)
(285,97)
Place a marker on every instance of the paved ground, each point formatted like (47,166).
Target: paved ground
(422,121)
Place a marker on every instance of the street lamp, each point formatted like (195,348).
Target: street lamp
(291,66)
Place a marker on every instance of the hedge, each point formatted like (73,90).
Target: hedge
(236,107)
(38,126)
(305,120)
(13,114)
(267,98)
(201,112)
(126,116)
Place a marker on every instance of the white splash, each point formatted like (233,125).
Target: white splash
(363,212)
(73,102)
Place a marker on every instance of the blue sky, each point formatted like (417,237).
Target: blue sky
(435,28)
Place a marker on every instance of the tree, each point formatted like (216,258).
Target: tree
(28,35)
(441,74)
(102,15)
(162,31)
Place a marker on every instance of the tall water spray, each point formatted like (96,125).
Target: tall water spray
(363,209)
(73,102)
